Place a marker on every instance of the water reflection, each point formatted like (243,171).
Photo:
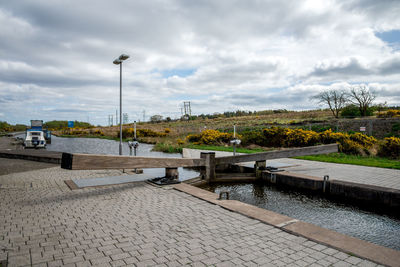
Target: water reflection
(382,230)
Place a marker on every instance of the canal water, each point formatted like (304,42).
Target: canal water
(346,219)
(379,229)
(111,147)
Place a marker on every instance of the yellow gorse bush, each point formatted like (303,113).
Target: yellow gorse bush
(356,143)
(390,148)
(130,132)
(389,113)
(210,137)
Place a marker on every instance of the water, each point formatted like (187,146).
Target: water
(379,229)
(111,147)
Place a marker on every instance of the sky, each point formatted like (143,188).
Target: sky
(56,55)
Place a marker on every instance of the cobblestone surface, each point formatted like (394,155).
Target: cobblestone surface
(43,223)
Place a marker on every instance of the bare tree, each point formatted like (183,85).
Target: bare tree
(362,97)
(335,99)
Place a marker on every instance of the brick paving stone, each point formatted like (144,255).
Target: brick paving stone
(73,260)
(83,264)
(341,264)
(353,260)
(137,224)
(55,263)
(19,260)
(130,260)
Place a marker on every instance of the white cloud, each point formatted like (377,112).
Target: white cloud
(56,58)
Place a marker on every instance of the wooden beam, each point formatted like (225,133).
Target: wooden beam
(287,153)
(99,162)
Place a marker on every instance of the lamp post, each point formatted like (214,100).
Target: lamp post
(118,61)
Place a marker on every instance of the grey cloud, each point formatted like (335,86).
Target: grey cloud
(353,68)
(390,67)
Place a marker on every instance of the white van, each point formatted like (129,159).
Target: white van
(34,139)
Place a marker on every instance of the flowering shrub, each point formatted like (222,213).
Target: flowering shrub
(180,141)
(356,143)
(390,148)
(299,137)
(210,137)
(350,147)
(364,140)
(74,131)
(96,132)
(276,136)
(389,113)
(130,132)
(253,137)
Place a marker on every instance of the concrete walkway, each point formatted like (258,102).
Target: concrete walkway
(44,223)
(389,178)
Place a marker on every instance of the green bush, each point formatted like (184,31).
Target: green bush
(253,137)
(354,111)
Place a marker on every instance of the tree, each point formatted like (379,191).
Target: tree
(362,97)
(335,99)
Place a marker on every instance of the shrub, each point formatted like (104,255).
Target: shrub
(130,132)
(390,148)
(180,141)
(253,137)
(167,130)
(364,140)
(210,137)
(354,111)
(274,136)
(389,114)
(300,137)
(350,111)
(329,137)
(350,147)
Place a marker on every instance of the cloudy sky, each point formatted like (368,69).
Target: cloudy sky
(56,55)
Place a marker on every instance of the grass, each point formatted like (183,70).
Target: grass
(355,160)
(167,148)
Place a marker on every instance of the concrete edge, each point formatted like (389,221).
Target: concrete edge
(347,244)
(71,185)
(40,158)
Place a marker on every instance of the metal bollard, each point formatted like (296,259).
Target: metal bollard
(326,178)
(226,193)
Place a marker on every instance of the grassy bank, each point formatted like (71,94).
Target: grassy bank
(342,158)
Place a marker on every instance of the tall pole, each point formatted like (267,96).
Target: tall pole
(135,137)
(234,138)
(120,108)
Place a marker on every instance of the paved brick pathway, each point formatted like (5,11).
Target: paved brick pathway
(43,223)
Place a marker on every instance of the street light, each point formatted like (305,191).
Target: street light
(118,61)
